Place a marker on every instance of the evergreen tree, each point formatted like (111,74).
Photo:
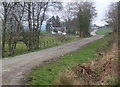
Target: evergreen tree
(85,16)
(57,22)
(48,25)
(53,21)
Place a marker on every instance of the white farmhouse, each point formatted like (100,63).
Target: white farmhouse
(60,30)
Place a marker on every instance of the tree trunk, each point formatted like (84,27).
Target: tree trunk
(9,45)
(30,26)
(33,33)
(3,36)
(4,29)
(79,34)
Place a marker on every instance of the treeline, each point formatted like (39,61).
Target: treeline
(113,20)
(85,16)
(22,21)
(77,18)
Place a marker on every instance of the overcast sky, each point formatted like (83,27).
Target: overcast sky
(102,8)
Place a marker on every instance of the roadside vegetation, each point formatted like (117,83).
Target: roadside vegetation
(46,41)
(95,64)
(102,70)
(22,24)
(47,74)
(104,31)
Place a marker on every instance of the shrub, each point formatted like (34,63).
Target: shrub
(68,77)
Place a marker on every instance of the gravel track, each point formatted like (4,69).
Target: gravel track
(15,69)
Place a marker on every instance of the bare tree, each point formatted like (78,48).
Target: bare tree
(36,15)
(17,16)
(4,20)
(69,13)
(112,16)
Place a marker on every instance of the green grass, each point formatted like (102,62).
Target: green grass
(44,33)
(42,76)
(47,38)
(22,49)
(103,31)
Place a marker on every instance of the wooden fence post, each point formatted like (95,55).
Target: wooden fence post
(44,43)
(50,42)
(53,41)
(47,43)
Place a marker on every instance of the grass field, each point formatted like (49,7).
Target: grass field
(42,76)
(22,49)
(103,31)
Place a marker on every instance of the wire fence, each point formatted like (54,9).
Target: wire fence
(46,43)
(42,45)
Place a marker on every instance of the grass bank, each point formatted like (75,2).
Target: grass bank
(22,49)
(103,31)
(46,75)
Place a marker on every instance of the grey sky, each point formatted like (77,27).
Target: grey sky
(102,8)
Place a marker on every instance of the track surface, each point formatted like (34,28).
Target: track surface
(15,69)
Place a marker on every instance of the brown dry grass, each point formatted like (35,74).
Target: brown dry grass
(68,77)
(100,71)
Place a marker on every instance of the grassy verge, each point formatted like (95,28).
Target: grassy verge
(103,31)
(46,75)
(22,49)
